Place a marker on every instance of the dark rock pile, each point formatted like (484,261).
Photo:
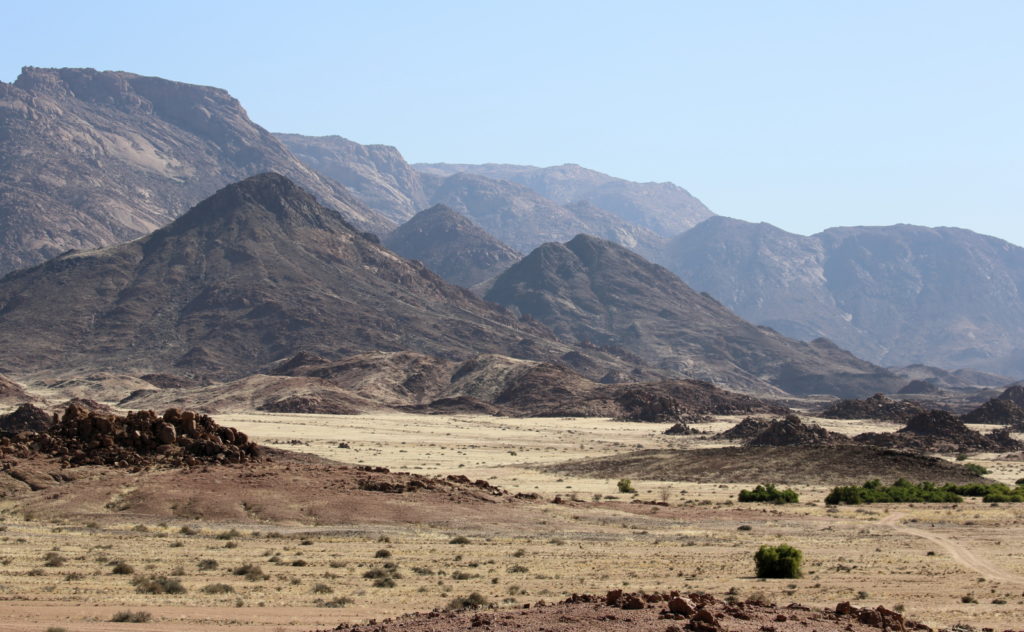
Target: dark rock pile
(648,612)
(309,405)
(919,387)
(142,438)
(1014,394)
(792,431)
(997,411)
(681,429)
(940,431)
(747,429)
(25,418)
(877,406)
(639,404)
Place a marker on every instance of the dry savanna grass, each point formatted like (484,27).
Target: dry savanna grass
(943,564)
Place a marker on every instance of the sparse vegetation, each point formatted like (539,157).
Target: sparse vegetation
(768,494)
(217,589)
(978,470)
(158,585)
(781,562)
(252,572)
(130,616)
(625,486)
(471,601)
(122,568)
(902,491)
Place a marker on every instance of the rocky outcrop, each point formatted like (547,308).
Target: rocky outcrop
(138,439)
(792,431)
(877,406)
(25,418)
(940,431)
(997,411)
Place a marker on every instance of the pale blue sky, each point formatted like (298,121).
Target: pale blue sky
(802,114)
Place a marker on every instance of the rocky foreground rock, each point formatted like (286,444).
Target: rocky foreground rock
(138,439)
(619,611)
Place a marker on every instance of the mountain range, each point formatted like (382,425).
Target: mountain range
(253,274)
(89,159)
(895,295)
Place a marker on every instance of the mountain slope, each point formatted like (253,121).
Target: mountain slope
(93,158)
(524,219)
(257,272)
(896,295)
(377,174)
(452,246)
(592,291)
(662,207)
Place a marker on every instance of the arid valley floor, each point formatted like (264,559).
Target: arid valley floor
(943,564)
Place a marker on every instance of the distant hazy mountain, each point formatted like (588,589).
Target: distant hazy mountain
(377,174)
(524,219)
(452,246)
(255,273)
(595,292)
(661,207)
(895,295)
(93,158)
(512,211)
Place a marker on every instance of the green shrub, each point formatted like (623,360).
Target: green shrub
(902,491)
(781,561)
(974,468)
(626,486)
(768,494)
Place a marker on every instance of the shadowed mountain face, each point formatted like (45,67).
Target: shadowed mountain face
(661,207)
(255,273)
(896,295)
(452,246)
(592,291)
(93,158)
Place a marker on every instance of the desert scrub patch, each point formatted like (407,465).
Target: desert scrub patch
(902,491)
(768,494)
(54,559)
(471,601)
(625,486)
(130,616)
(208,565)
(337,602)
(158,585)
(459,539)
(120,567)
(217,589)
(322,589)
(252,572)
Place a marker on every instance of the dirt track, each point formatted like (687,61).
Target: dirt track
(960,554)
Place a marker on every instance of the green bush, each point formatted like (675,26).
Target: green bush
(781,562)
(626,486)
(902,491)
(768,494)
(974,468)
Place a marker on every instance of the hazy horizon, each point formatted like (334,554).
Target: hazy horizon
(798,114)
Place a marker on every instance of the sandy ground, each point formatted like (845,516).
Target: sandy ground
(942,564)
